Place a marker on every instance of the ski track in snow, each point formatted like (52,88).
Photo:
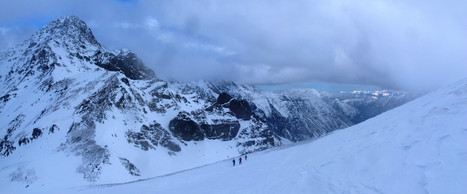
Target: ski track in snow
(229,160)
(145,179)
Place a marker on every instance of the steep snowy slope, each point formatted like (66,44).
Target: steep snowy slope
(419,147)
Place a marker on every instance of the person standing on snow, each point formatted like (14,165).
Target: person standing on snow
(233,161)
(240,160)
(246,157)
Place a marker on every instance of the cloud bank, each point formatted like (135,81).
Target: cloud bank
(409,45)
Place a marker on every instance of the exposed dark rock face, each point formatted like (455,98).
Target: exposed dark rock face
(6,146)
(183,127)
(126,81)
(132,169)
(186,128)
(223,98)
(36,132)
(221,129)
(23,141)
(241,109)
(126,62)
(5,98)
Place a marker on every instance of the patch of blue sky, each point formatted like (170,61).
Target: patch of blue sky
(128,1)
(37,21)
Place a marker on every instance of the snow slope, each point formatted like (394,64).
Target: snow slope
(419,147)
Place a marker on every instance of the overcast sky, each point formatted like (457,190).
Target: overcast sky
(399,44)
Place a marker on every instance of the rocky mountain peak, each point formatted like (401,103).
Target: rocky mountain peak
(67,28)
(71,35)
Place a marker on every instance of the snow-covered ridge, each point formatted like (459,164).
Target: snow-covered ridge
(63,96)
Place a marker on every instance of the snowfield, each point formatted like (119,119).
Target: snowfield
(420,147)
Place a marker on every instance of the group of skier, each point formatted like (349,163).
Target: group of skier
(239,160)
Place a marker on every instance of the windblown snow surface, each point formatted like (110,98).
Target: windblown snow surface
(420,147)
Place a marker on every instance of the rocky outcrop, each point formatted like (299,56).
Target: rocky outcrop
(183,127)
(139,140)
(152,136)
(223,98)
(187,129)
(132,169)
(221,129)
(36,132)
(6,146)
(240,108)
(126,62)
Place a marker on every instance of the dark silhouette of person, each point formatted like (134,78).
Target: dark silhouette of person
(233,162)
(246,157)
(240,160)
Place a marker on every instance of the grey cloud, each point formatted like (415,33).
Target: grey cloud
(11,36)
(411,45)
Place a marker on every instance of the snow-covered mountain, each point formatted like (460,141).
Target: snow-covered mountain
(71,108)
(419,147)
(361,105)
